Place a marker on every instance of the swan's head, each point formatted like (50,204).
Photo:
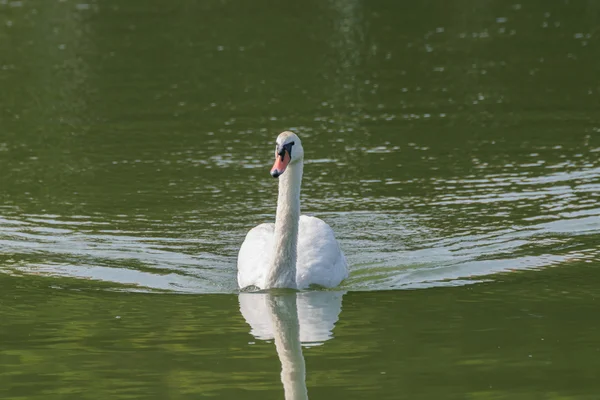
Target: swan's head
(288,150)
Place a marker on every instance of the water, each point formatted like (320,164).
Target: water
(453,149)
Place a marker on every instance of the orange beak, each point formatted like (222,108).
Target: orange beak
(281,163)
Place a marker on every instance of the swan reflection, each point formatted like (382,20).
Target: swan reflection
(292,320)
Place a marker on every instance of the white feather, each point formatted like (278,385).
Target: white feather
(320,260)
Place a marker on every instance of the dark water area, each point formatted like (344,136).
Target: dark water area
(453,148)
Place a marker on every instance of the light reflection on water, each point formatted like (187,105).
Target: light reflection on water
(292,320)
(532,220)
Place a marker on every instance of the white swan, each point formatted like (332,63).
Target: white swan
(297,251)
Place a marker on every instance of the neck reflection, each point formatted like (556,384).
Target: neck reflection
(292,320)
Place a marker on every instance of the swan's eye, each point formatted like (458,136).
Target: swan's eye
(286,147)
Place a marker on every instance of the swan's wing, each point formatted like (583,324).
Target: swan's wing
(320,259)
(253,258)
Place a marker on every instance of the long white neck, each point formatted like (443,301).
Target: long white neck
(282,272)
(286,332)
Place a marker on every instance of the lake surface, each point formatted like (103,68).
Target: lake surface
(454,147)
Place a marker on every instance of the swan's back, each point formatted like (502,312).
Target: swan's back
(320,260)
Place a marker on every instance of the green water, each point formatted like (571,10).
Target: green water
(452,146)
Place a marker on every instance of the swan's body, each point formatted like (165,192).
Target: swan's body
(297,251)
(320,261)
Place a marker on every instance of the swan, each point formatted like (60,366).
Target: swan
(297,251)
